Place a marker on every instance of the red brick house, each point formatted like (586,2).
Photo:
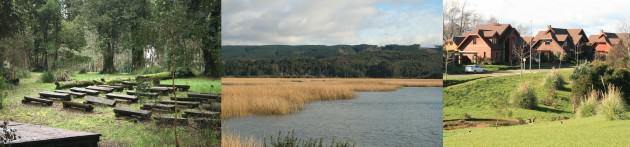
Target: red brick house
(490,43)
(559,40)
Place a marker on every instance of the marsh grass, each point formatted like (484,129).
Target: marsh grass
(278,96)
(290,140)
(612,107)
(231,140)
(588,107)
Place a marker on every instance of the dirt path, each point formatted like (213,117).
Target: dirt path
(500,73)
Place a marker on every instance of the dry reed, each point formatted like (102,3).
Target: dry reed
(278,96)
(230,140)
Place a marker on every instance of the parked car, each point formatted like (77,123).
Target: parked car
(474,69)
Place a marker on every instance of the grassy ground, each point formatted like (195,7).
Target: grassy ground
(594,131)
(477,97)
(115,132)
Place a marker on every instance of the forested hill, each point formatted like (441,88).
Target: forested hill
(390,61)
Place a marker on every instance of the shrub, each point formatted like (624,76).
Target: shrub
(47,77)
(551,84)
(612,107)
(83,71)
(523,97)
(588,106)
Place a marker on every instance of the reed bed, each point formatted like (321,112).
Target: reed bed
(279,96)
(231,140)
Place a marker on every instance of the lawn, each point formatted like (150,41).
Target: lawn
(477,97)
(593,131)
(115,132)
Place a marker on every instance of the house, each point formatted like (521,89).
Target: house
(604,41)
(451,44)
(553,41)
(490,43)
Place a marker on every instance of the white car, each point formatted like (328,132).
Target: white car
(474,69)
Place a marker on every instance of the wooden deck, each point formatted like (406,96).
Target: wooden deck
(36,135)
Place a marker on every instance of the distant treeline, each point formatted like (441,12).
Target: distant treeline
(390,61)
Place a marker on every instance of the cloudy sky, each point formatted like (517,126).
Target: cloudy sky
(329,22)
(592,15)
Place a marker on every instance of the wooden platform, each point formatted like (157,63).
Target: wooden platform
(179,87)
(75,94)
(181,103)
(169,120)
(131,98)
(36,135)
(140,114)
(75,105)
(190,99)
(149,94)
(160,107)
(101,89)
(191,113)
(83,90)
(30,99)
(48,95)
(99,100)
(116,88)
(205,95)
(162,90)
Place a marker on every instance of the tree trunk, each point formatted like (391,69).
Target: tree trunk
(137,58)
(108,59)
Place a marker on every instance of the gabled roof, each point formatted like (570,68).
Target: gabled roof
(457,39)
(528,39)
(576,35)
(558,36)
(499,28)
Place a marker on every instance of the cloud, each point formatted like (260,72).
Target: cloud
(251,22)
(592,15)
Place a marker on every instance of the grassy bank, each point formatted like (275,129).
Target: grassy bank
(115,132)
(247,96)
(593,131)
(477,98)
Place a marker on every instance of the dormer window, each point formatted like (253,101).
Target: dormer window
(547,42)
(474,40)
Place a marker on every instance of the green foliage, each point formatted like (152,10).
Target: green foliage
(594,76)
(47,77)
(588,107)
(83,71)
(552,82)
(408,61)
(613,106)
(290,140)
(523,97)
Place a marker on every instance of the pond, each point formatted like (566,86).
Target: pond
(409,116)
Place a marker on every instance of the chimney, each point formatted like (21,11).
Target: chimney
(549,27)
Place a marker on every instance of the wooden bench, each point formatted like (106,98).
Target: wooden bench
(121,96)
(99,100)
(181,103)
(180,87)
(114,87)
(169,120)
(140,114)
(204,95)
(132,83)
(75,94)
(191,113)
(190,99)
(215,107)
(161,107)
(101,89)
(28,99)
(48,95)
(162,90)
(149,94)
(83,90)
(84,107)
(207,122)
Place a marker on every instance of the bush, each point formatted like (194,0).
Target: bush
(612,107)
(551,84)
(83,71)
(523,97)
(47,77)
(588,106)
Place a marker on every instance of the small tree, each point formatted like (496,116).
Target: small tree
(560,56)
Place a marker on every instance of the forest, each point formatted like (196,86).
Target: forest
(113,36)
(389,61)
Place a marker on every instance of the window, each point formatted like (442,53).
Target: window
(547,42)
(474,40)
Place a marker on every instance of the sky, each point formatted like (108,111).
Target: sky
(331,22)
(591,15)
